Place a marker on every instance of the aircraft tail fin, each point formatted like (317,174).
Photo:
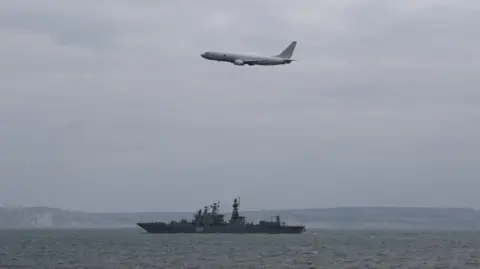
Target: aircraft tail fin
(288,51)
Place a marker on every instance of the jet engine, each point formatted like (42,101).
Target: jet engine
(238,62)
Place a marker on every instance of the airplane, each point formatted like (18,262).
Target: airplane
(285,57)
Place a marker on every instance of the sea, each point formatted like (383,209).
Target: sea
(131,248)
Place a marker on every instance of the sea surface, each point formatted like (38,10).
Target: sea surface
(131,248)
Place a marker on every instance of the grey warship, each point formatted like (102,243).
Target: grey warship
(213,222)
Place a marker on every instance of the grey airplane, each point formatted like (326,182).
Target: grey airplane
(285,57)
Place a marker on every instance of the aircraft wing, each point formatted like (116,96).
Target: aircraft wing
(250,61)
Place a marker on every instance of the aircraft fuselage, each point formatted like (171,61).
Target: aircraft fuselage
(244,59)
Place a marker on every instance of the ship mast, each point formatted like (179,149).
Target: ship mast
(236,204)
(215,207)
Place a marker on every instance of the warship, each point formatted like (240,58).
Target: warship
(213,222)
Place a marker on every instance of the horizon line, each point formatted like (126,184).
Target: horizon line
(246,210)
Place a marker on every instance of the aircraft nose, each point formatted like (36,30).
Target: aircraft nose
(204,55)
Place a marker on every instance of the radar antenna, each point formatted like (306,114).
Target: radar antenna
(215,207)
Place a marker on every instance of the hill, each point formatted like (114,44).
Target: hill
(334,218)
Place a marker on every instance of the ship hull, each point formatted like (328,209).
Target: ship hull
(163,228)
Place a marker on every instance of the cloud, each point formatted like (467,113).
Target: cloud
(108,106)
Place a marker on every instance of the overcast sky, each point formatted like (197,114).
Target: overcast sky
(108,106)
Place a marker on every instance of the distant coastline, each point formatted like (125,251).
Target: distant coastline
(329,218)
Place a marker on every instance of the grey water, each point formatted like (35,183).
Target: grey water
(130,248)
